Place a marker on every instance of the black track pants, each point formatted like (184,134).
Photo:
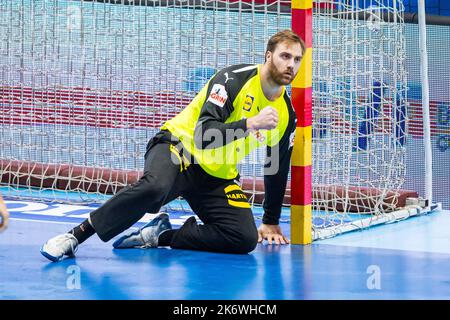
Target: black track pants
(228,223)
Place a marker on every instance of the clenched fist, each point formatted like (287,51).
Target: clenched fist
(266,119)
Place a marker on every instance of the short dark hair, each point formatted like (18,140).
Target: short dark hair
(282,36)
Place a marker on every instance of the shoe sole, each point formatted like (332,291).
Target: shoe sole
(119,241)
(49,256)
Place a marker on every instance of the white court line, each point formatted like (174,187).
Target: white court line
(47,221)
(175,222)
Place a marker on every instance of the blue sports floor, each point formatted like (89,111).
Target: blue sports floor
(404,260)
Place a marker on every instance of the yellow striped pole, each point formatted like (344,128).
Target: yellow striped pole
(301,182)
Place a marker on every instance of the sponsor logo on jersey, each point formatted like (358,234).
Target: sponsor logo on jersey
(236,196)
(248,103)
(218,95)
(259,136)
(227,77)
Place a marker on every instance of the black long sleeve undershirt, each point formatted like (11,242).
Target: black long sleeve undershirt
(212,131)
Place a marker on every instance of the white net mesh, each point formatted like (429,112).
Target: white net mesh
(359,93)
(85,84)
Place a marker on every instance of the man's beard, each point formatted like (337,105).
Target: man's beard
(279,77)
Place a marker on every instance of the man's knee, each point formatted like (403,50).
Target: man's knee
(153,186)
(244,233)
(249,242)
(245,242)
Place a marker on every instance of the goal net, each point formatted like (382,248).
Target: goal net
(85,84)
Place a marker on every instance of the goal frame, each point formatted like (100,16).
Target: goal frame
(302,230)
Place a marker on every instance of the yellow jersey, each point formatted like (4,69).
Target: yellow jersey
(212,128)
